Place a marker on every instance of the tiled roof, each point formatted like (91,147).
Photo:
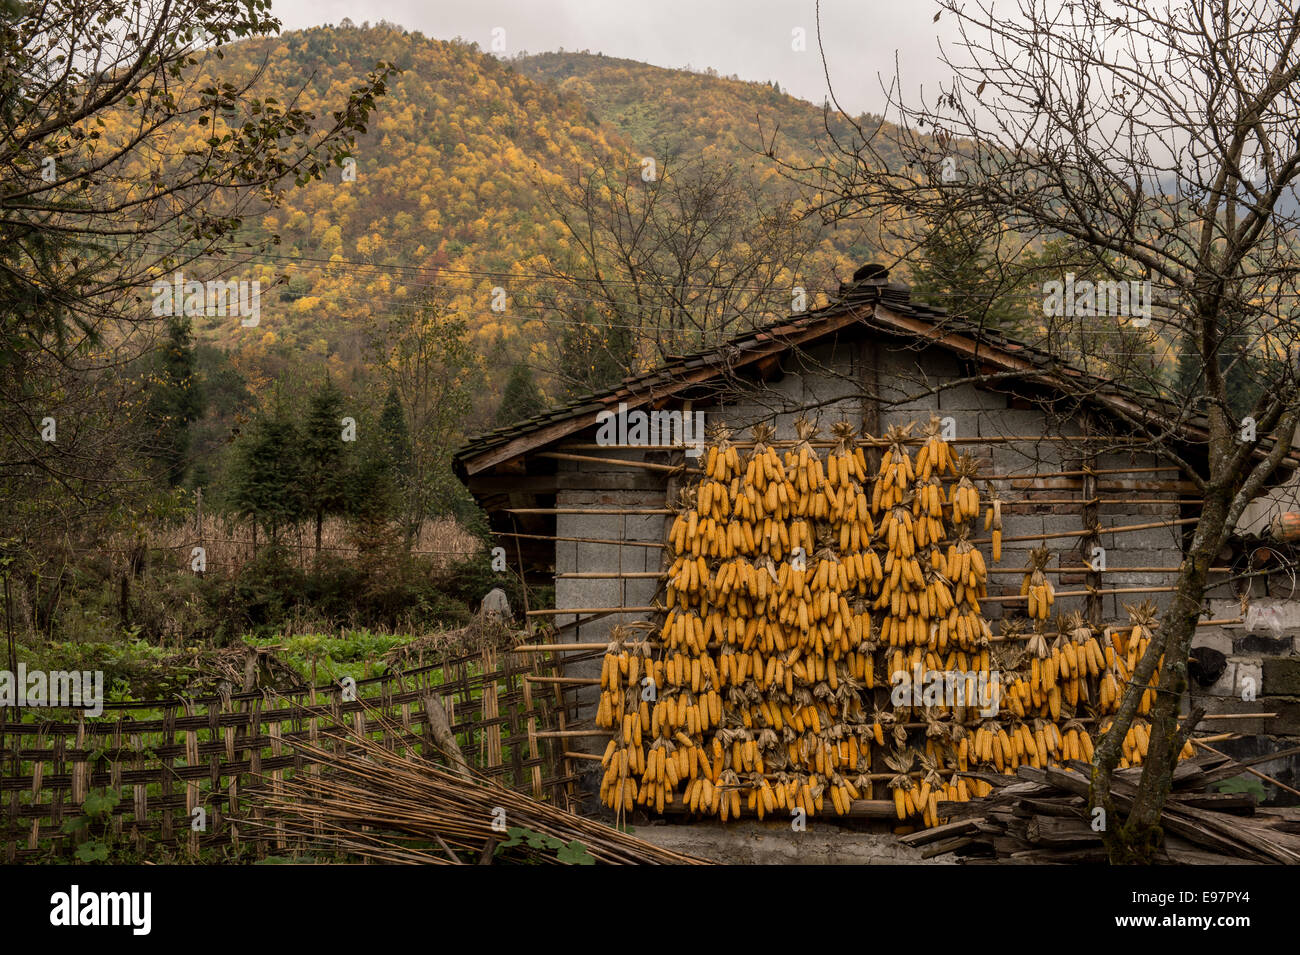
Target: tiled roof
(875,303)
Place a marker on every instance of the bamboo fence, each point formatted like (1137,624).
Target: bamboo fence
(168,758)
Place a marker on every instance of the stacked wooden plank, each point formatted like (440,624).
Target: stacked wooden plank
(1042,816)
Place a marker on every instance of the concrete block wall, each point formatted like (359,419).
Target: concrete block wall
(1260,674)
(587,485)
(827,380)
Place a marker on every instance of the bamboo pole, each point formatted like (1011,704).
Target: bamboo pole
(565,611)
(1085,569)
(582,540)
(1117,529)
(614,574)
(558,734)
(1075,501)
(565,647)
(1089,592)
(618,462)
(1081,569)
(1239,716)
(664,511)
(1120,529)
(884,442)
(1004,598)
(566,680)
(1249,769)
(654,644)
(614,511)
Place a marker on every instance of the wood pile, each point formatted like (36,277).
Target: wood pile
(373,803)
(1041,816)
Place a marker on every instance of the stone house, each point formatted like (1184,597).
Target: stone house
(1058,447)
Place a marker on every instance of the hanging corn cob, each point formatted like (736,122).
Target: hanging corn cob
(901,785)
(896,474)
(805,472)
(1036,586)
(935,459)
(962,495)
(993,520)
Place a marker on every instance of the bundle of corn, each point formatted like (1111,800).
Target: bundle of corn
(766,496)
(804,471)
(1043,688)
(962,495)
(902,580)
(1080,657)
(933,461)
(968,573)
(901,783)
(849,506)
(1036,586)
(1130,646)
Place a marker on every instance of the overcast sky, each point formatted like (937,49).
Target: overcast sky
(750,38)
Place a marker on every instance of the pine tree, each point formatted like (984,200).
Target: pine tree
(375,485)
(325,479)
(955,271)
(394,437)
(268,474)
(175,401)
(521,399)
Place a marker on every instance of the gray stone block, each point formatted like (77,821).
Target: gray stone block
(1273,615)
(1215,638)
(1011,422)
(1062,523)
(1264,644)
(1281,676)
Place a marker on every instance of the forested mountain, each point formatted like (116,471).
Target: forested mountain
(448,200)
(687,112)
(444,205)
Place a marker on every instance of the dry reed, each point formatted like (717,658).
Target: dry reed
(380,805)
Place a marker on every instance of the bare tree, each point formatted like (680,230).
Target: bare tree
(428,359)
(677,256)
(1162,145)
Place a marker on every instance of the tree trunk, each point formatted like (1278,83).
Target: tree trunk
(1136,841)
(1143,823)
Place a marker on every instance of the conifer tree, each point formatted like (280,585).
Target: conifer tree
(324,458)
(175,401)
(267,485)
(521,398)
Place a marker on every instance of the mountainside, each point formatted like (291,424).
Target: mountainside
(444,206)
(682,111)
(447,202)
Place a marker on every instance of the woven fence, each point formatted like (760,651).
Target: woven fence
(179,768)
